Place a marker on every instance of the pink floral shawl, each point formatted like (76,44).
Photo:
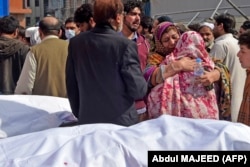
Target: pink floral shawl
(175,96)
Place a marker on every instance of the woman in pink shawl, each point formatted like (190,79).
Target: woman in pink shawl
(175,96)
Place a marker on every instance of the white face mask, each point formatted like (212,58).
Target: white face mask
(70,33)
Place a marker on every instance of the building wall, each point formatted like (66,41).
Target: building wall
(37,7)
(19,10)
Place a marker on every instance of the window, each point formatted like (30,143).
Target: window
(27,21)
(36,2)
(26,4)
(37,19)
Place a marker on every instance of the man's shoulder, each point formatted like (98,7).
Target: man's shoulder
(51,40)
(55,42)
(18,45)
(79,37)
(227,42)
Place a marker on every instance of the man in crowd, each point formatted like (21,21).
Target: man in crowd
(12,54)
(226,48)
(244,57)
(71,28)
(145,28)
(43,71)
(131,23)
(103,74)
(83,17)
(206,31)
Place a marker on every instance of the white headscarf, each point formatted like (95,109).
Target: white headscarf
(210,25)
(33,34)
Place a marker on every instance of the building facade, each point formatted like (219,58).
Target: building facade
(19,10)
(62,9)
(37,7)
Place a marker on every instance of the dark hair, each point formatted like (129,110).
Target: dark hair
(9,24)
(50,28)
(164,18)
(194,27)
(228,22)
(246,25)
(104,10)
(69,20)
(147,22)
(83,13)
(244,39)
(182,27)
(21,31)
(63,36)
(131,4)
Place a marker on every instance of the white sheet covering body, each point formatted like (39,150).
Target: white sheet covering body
(21,114)
(107,145)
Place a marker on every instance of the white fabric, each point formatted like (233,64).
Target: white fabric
(210,25)
(33,34)
(2,133)
(107,145)
(22,114)
(25,83)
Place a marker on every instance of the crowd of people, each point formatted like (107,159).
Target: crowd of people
(117,65)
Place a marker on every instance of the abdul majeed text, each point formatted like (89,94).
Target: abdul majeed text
(186,158)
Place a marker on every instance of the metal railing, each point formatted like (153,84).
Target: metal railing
(215,11)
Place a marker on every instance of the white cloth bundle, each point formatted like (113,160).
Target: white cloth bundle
(22,114)
(108,145)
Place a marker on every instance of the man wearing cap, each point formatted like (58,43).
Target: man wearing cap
(32,36)
(206,31)
(43,71)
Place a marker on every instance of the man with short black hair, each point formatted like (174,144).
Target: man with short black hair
(226,48)
(71,28)
(12,54)
(83,17)
(244,57)
(132,19)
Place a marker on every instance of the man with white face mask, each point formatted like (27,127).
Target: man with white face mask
(71,28)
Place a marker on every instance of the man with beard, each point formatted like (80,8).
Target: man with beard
(206,31)
(103,75)
(131,23)
(83,17)
(222,85)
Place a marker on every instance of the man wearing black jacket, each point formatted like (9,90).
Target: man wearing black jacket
(103,75)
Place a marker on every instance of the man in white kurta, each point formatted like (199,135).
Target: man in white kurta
(226,48)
